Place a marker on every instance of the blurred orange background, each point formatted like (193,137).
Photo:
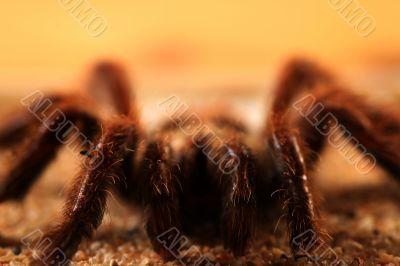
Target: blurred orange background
(176,43)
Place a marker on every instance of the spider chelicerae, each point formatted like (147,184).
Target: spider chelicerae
(174,175)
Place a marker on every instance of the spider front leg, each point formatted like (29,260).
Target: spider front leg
(288,153)
(162,189)
(302,216)
(232,166)
(41,147)
(86,200)
(236,176)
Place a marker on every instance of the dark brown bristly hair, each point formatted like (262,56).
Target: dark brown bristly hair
(160,181)
(86,200)
(301,213)
(230,166)
(239,213)
(375,129)
(289,153)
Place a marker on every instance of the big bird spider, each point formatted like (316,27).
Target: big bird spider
(172,177)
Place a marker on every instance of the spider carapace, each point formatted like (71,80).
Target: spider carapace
(182,180)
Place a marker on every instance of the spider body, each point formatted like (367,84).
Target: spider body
(195,179)
(220,174)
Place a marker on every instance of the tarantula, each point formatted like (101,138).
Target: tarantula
(174,175)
